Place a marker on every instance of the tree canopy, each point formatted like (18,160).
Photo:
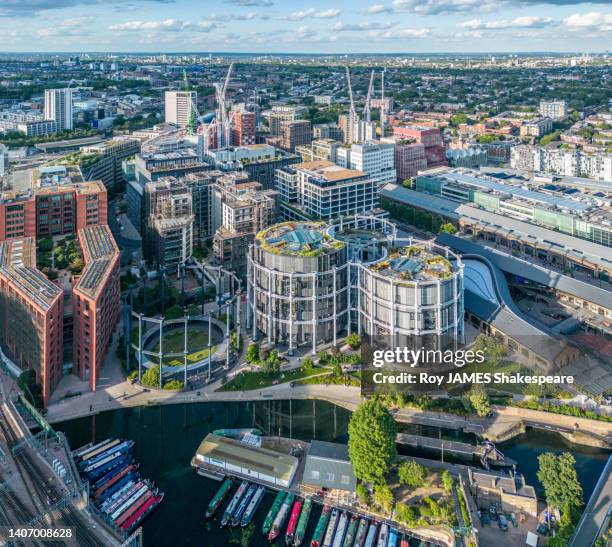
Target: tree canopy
(372,431)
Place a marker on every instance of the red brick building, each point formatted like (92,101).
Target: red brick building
(52,210)
(430,137)
(244,129)
(96,301)
(31,314)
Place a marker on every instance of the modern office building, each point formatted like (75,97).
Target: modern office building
(179,106)
(59,108)
(96,302)
(52,210)
(429,137)
(151,166)
(327,131)
(243,132)
(324,190)
(103,161)
(168,238)
(553,109)
(409,157)
(308,282)
(320,149)
(31,315)
(374,158)
(295,133)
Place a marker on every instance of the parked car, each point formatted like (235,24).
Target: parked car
(503,522)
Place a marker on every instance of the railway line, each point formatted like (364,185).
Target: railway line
(46,496)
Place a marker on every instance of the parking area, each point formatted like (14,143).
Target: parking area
(490,533)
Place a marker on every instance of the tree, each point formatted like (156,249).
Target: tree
(372,433)
(151,377)
(272,363)
(447,481)
(337,369)
(492,348)
(362,494)
(353,340)
(478,400)
(447,228)
(560,481)
(406,514)
(307,363)
(411,474)
(252,354)
(32,390)
(383,497)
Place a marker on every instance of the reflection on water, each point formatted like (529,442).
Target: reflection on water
(167,437)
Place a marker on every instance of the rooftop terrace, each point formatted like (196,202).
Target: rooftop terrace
(298,238)
(414,262)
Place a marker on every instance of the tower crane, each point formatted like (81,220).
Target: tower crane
(383,108)
(352,119)
(366,108)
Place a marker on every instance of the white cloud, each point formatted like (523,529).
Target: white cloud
(343,27)
(435,7)
(263,3)
(401,33)
(311,12)
(531,21)
(378,8)
(589,21)
(169,25)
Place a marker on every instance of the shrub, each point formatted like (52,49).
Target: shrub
(173,384)
(411,474)
(353,340)
(362,494)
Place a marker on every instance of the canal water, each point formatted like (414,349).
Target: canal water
(167,437)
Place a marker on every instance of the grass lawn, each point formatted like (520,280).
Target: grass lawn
(258,380)
(351,379)
(173,343)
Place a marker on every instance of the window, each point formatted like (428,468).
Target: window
(330,477)
(345,479)
(315,474)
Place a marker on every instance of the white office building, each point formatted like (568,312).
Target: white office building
(59,108)
(179,105)
(374,158)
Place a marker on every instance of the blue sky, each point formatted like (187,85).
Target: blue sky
(315,26)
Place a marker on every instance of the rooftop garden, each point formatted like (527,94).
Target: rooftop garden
(414,263)
(305,239)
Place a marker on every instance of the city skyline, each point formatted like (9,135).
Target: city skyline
(266,26)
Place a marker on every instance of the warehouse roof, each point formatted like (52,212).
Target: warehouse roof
(261,460)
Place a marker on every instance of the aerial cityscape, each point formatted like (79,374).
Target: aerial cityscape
(306,274)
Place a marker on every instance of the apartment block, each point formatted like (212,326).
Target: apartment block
(31,315)
(295,133)
(52,210)
(96,301)
(168,210)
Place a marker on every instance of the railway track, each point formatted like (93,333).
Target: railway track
(45,495)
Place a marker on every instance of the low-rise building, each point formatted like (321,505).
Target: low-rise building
(509,493)
(374,158)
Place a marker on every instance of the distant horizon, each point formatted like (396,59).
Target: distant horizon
(307,53)
(306,26)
